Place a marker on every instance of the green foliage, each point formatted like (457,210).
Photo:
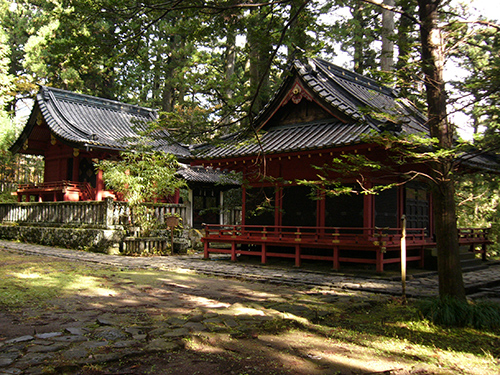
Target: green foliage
(7,197)
(453,312)
(331,177)
(479,92)
(478,198)
(142,177)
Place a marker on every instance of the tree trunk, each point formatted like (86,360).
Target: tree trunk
(258,39)
(230,59)
(450,272)
(357,15)
(387,56)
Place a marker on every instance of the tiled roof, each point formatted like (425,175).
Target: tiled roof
(345,92)
(100,123)
(359,97)
(286,138)
(207,175)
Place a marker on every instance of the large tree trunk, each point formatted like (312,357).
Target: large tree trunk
(258,39)
(450,272)
(357,15)
(230,58)
(387,56)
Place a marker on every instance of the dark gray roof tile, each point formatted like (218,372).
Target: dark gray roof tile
(207,175)
(289,138)
(97,122)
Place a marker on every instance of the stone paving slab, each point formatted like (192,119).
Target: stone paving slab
(105,339)
(426,285)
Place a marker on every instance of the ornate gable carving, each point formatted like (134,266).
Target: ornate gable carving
(296,94)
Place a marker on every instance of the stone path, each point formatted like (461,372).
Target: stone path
(103,338)
(425,284)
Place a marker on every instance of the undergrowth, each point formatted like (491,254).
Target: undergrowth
(451,312)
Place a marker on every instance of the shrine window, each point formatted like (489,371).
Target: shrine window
(417,206)
(386,209)
(260,206)
(206,206)
(345,210)
(298,207)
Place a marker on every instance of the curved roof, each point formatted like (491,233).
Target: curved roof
(289,138)
(89,122)
(361,106)
(359,97)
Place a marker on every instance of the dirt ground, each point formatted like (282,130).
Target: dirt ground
(226,326)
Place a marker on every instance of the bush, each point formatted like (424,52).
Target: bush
(451,312)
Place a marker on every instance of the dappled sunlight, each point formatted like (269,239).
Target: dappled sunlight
(238,309)
(206,302)
(84,285)
(256,326)
(258,295)
(89,286)
(27,275)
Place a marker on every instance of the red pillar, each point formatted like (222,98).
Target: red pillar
(99,188)
(297,256)
(206,254)
(336,262)
(263,258)
(233,251)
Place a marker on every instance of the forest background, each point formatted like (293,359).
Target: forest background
(210,66)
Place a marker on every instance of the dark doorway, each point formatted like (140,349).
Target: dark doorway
(299,209)
(206,203)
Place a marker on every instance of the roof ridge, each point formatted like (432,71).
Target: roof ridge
(97,101)
(356,77)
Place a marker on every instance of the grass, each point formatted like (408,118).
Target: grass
(30,283)
(381,325)
(450,312)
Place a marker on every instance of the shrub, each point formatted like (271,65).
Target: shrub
(451,312)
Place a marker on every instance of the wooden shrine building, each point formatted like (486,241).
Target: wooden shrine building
(322,113)
(71,131)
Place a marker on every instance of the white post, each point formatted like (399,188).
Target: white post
(403,255)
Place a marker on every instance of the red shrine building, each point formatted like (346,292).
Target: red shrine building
(321,114)
(72,131)
(319,122)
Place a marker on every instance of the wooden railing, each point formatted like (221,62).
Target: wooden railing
(473,235)
(104,214)
(320,235)
(82,189)
(355,235)
(378,246)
